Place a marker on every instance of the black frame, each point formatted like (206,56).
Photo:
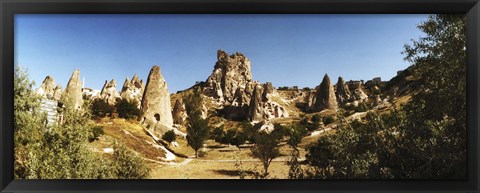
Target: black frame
(10,7)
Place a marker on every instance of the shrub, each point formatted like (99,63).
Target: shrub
(169,136)
(100,108)
(235,137)
(128,165)
(328,119)
(127,110)
(218,134)
(97,131)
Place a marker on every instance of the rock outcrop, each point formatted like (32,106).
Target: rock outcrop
(90,94)
(155,107)
(343,93)
(325,96)
(73,92)
(179,113)
(357,92)
(232,85)
(256,109)
(262,107)
(48,89)
(132,90)
(229,74)
(109,92)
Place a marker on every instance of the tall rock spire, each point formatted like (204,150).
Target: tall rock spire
(343,93)
(155,105)
(325,96)
(73,91)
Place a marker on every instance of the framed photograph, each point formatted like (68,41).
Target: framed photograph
(239,96)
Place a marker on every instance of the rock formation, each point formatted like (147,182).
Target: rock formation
(73,91)
(325,96)
(49,90)
(109,92)
(231,84)
(230,72)
(357,92)
(90,94)
(256,110)
(179,113)
(57,93)
(155,105)
(132,90)
(343,93)
(262,107)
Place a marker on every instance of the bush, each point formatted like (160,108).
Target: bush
(127,110)
(169,136)
(235,137)
(218,134)
(295,135)
(100,108)
(128,165)
(328,119)
(97,131)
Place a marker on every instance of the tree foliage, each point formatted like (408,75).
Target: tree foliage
(421,139)
(198,129)
(128,165)
(127,110)
(169,136)
(100,108)
(60,151)
(266,149)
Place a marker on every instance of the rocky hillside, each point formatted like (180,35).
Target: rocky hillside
(231,95)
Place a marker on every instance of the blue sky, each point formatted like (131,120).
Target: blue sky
(286,50)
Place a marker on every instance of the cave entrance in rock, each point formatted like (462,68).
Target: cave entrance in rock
(157,116)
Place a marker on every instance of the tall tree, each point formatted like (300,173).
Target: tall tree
(266,149)
(197,129)
(434,137)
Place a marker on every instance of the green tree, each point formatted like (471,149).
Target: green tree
(295,135)
(434,142)
(235,137)
(266,149)
(218,134)
(169,136)
(197,132)
(127,110)
(100,108)
(197,129)
(60,151)
(28,124)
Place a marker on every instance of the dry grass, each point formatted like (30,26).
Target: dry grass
(131,134)
(206,169)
